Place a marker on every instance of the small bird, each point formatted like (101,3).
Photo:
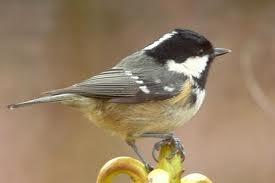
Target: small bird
(147,94)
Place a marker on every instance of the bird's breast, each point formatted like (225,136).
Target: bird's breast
(132,120)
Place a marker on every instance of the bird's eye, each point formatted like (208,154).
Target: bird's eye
(200,52)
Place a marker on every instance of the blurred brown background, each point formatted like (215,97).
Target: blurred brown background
(48,44)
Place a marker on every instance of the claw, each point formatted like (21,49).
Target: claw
(171,139)
(149,167)
(157,147)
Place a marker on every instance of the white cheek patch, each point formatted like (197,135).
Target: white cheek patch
(193,66)
(158,42)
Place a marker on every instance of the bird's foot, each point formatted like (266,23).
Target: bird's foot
(148,167)
(168,140)
(132,143)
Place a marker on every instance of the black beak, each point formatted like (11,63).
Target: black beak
(221,51)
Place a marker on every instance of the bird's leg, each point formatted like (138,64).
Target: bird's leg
(132,144)
(169,138)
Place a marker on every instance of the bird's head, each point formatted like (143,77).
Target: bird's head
(185,51)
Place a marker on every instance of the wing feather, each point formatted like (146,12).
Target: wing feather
(108,84)
(124,82)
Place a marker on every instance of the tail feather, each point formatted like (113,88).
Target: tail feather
(45,99)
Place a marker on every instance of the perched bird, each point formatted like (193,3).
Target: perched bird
(147,94)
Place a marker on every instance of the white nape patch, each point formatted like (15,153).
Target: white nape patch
(134,77)
(168,88)
(163,38)
(193,66)
(139,82)
(144,89)
(128,73)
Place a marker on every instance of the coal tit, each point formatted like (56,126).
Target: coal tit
(147,94)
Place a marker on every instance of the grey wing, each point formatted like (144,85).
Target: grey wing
(135,79)
(109,84)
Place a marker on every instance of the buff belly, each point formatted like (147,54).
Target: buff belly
(132,120)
